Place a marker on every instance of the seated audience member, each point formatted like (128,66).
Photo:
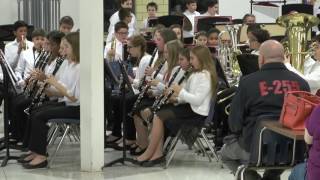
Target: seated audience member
(249,19)
(114,49)
(213,8)
(66,24)
(178,30)
(152,9)
(201,38)
(311,71)
(256,37)
(311,169)
(258,95)
(190,13)
(115,18)
(213,35)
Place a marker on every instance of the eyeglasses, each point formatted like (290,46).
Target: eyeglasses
(123,33)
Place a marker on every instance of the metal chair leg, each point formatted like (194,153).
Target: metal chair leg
(54,135)
(58,147)
(203,149)
(172,151)
(239,171)
(212,149)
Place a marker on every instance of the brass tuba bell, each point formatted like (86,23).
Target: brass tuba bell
(297,26)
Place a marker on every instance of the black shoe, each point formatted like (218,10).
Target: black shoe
(134,151)
(22,157)
(139,163)
(113,141)
(36,166)
(154,162)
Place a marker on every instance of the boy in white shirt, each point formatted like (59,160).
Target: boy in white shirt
(190,13)
(13,49)
(66,24)
(115,18)
(152,9)
(114,49)
(29,58)
(213,8)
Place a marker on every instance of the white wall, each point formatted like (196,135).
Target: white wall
(9,11)
(71,8)
(238,8)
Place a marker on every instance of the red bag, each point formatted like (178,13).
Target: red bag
(297,106)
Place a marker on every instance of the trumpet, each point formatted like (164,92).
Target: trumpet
(113,46)
(24,43)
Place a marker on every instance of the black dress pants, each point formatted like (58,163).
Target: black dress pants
(38,123)
(118,111)
(18,117)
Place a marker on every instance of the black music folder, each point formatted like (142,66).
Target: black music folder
(248,63)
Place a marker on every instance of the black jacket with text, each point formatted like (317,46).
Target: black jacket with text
(259,94)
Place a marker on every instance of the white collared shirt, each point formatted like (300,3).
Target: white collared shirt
(190,16)
(197,92)
(26,64)
(11,52)
(118,48)
(311,73)
(113,21)
(143,64)
(70,79)
(208,14)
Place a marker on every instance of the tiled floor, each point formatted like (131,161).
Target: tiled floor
(186,165)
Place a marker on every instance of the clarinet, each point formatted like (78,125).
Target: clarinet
(143,79)
(158,99)
(30,87)
(40,95)
(145,89)
(164,99)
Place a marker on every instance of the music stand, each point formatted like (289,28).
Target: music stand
(205,23)
(300,8)
(124,82)
(248,63)
(7,82)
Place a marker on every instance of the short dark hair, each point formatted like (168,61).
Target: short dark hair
(120,25)
(153,4)
(261,35)
(190,1)
(19,24)
(252,27)
(66,20)
(247,15)
(38,32)
(123,13)
(213,30)
(211,3)
(200,33)
(55,36)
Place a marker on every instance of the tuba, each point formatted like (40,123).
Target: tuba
(297,26)
(228,53)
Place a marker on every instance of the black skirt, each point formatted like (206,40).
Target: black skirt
(145,103)
(174,117)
